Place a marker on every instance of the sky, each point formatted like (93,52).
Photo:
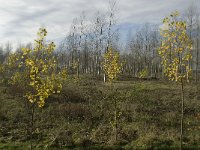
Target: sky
(21,19)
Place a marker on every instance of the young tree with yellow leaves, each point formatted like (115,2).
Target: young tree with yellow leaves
(37,69)
(111,64)
(112,67)
(175,52)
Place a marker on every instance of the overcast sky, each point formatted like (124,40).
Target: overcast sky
(20,19)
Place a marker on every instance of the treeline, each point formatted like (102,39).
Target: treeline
(82,49)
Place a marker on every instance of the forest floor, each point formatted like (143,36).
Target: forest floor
(81,117)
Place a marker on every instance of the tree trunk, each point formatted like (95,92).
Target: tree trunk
(104,77)
(115,122)
(182,114)
(32,124)
(197,60)
(77,72)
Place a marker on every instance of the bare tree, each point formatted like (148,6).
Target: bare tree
(197,47)
(190,16)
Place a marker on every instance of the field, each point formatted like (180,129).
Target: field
(100,75)
(81,117)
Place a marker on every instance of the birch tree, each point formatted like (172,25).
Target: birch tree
(175,52)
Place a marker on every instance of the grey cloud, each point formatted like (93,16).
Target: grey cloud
(58,15)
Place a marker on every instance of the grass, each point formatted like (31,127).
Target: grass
(13,146)
(80,117)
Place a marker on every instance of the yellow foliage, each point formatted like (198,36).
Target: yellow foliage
(74,65)
(111,64)
(38,67)
(175,49)
(144,73)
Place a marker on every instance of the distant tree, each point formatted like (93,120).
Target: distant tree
(192,17)
(197,47)
(7,49)
(99,25)
(175,52)
(111,21)
(111,64)
(1,54)
(142,49)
